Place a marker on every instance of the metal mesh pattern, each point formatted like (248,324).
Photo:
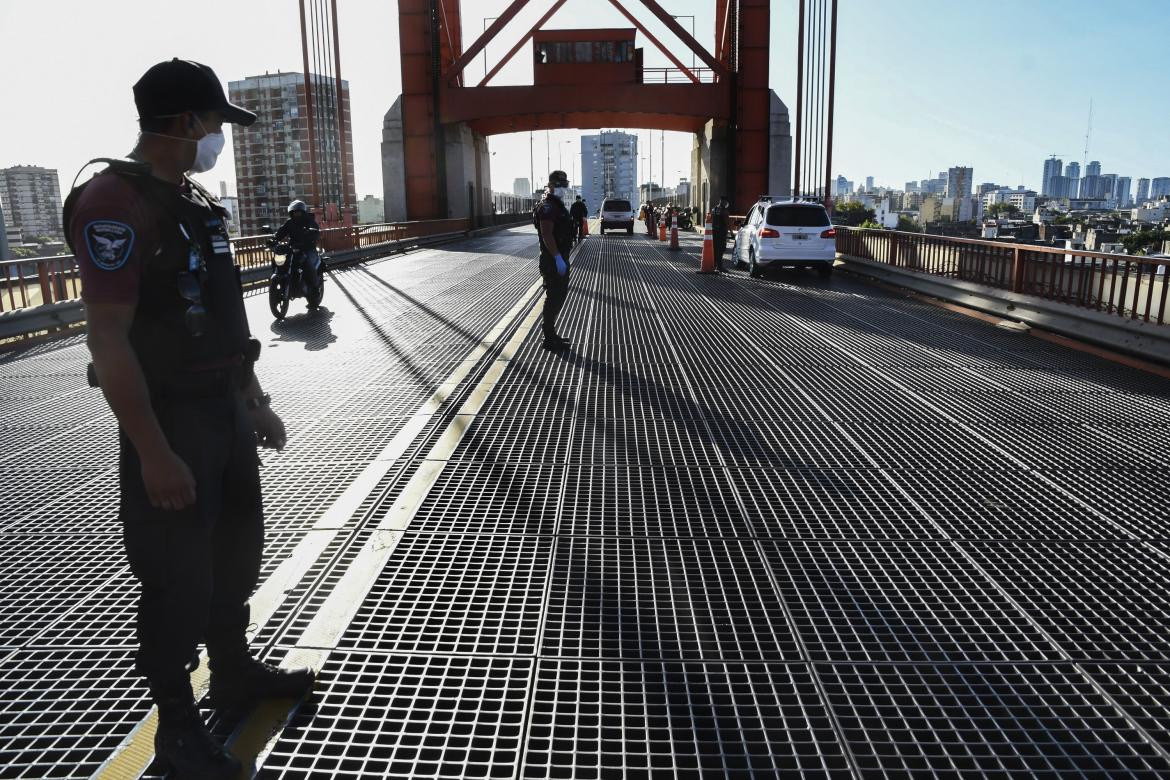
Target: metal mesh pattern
(1015,720)
(455,594)
(664,598)
(647,719)
(869,601)
(409,717)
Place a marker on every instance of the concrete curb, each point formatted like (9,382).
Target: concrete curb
(1133,337)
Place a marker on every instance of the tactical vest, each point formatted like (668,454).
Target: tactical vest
(189,220)
(563,228)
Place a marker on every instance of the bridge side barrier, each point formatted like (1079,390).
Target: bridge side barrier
(1117,301)
(43,293)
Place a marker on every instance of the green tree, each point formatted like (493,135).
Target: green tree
(870,224)
(1140,243)
(1006,209)
(907,225)
(852,214)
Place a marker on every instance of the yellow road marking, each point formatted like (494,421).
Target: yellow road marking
(256,737)
(132,757)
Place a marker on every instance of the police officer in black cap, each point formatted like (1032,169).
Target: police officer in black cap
(172,353)
(555,227)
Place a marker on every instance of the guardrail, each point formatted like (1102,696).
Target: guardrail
(1128,286)
(32,282)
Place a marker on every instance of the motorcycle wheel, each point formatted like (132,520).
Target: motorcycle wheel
(278,300)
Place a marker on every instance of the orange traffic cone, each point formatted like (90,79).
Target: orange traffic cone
(662,230)
(707,262)
(674,233)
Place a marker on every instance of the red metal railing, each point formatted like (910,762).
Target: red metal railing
(26,283)
(1129,286)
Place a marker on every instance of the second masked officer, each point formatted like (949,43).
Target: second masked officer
(557,231)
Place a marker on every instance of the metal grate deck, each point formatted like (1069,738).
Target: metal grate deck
(744,528)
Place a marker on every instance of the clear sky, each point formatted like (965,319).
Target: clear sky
(922,84)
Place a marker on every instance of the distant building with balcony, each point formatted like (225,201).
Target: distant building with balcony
(272,155)
(32,202)
(609,168)
(959,182)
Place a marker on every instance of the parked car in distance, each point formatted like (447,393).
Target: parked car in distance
(783,232)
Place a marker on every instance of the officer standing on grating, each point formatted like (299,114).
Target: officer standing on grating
(719,230)
(555,228)
(172,353)
(579,212)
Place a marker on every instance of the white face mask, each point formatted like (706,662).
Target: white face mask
(207,148)
(207,152)
(560,192)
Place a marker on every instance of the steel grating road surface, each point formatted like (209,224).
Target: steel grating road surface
(781,528)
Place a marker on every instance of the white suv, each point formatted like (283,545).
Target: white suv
(786,232)
(617,213)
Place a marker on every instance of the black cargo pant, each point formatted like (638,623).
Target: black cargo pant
(197,566)
(556,290)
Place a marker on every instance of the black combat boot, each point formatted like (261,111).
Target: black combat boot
(240,681)
(182,744)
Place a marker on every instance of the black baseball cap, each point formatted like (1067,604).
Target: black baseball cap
(177,86)
(558,179)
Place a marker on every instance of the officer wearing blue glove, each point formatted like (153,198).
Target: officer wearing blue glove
(556,230)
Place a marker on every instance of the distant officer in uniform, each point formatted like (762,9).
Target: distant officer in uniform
(172,353)
(555,227)
(579,212)
(719,230)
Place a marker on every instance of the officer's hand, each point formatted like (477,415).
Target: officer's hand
(269,427)
(562,266)
(170,485)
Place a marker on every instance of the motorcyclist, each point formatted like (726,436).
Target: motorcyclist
(301,233)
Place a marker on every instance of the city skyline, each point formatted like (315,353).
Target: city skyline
(886,127)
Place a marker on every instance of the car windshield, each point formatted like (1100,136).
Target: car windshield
(798,216)
(617,205)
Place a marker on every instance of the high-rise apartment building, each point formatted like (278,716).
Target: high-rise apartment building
(1160,187)
(32,201)
(609,167)
(272,156)
(1093,168)
(1053,168)
(4,254)
(1109,186)
(1072,172)
(1143,191)
(959,182)
(1092,186)
(522,188)
(869,184)
(1121,192)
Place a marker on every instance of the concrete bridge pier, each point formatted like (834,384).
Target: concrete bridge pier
(711,158)
(466,170)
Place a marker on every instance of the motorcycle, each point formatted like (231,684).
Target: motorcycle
(684,220)
(288,279)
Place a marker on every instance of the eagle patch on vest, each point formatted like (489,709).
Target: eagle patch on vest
(109,243)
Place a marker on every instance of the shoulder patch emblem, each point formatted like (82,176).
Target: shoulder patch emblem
(109,243)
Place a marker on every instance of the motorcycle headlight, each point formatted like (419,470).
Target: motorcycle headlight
(281,259)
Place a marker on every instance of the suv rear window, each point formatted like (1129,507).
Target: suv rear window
(798,216)
(616,205)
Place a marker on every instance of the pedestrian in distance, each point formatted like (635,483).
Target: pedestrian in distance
(172,352)
(555,230)
(579,212)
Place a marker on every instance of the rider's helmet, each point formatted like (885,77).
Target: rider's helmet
(297,205)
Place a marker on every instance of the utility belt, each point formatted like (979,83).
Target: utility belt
(221,378)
